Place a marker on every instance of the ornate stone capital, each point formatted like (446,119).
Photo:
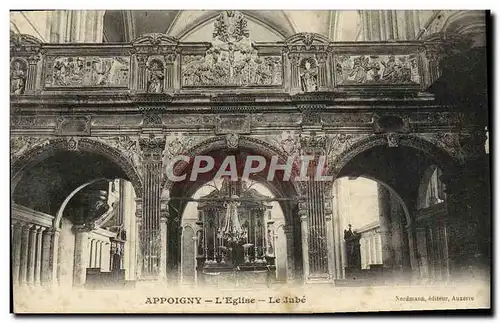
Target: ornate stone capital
(288,142)
(142,60)
(152,147)
(294,58)
(313,143)
(170,57)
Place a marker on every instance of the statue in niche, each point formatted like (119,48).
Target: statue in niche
(309,75)
(18,78)
(156,76)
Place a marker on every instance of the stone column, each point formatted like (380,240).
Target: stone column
(81,255)
(86,26)
(46,257)
(378,25)
(38,261)
(423,260)
(329,239)
(96,253)
(91,253)
(23,270)
(305,243)
(163,256)
(149,234)
(410,231)
(384,202)
(50,241)
(365,21)
(290,261)
(99,257)
(16,251)
(314,146)
(139,243)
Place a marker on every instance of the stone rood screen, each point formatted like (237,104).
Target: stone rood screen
(157,63)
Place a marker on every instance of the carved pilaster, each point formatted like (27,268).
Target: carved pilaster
(318,266)
(329,236)
(170,71)
(149,230)
(294,59)
(32,73)
(141,74)
(324,81)
(304,230)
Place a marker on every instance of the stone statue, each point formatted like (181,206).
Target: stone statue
(348,233)
(309,75)
(17,78)
(156,76)
(353,251)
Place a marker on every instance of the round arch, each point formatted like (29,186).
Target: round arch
(442,158)
(219,143)
(57,219)
(35,155)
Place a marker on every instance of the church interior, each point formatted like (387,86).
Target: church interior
(101,101)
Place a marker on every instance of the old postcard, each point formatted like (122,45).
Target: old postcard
(272,161)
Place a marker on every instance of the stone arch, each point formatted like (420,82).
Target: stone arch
(219,142)
(441,157)
(50,147)
(57,219)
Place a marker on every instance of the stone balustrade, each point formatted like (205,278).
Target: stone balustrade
(32,252)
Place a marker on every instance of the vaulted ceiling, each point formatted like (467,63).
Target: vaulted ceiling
(125,25)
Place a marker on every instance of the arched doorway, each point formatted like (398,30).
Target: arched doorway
(370,223)
(73,216)
(271,203)
(399,170)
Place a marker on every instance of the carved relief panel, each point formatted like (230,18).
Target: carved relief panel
(376,69)
(86,71)
(232,59)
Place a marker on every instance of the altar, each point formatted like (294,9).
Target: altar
(235,243)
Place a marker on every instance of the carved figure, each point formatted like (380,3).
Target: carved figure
(156,76)
(309,75)
(89,71)
(17,78)
(232,60)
